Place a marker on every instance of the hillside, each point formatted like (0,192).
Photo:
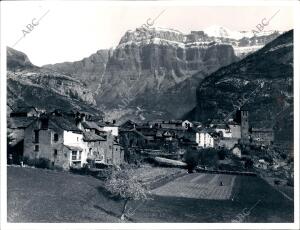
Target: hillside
(45,89)
(264,79)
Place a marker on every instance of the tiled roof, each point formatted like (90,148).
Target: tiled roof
(74,148)
(90,125)
(90,136)
(24,109)
(64,123)
(19,122)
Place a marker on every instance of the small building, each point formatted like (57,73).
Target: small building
(236,150)
(264,136)
(223,129)
(187,124)
(205,139)
(172,124)
(128,125)
(15,128)
(133,139)
(103,149)
(235,129)
(227,143)
(109,127)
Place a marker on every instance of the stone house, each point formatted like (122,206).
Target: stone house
(227,143)
(56,139)
(133,139)
(15,129)
(263,136)
(109,127)
(235,129)
(67,143)
(103,148)
(128,125)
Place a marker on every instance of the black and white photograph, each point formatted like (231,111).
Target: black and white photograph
(178,113)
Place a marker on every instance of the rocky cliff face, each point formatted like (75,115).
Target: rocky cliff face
(43,88)
(261,83)
(156,71)
(89,70)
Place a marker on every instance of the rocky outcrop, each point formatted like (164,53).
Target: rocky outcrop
(89,70)
(43,88)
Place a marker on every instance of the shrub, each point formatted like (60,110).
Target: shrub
(192,159)
(248,164)
(105,174)
(38,163)
(43,163)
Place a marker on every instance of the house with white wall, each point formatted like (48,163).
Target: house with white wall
(65,142)
(205,139)
(109,127)
(187,124)
(55,139)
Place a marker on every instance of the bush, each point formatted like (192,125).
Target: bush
(43,163)
(223,153)
(105,174)
(248,164)
(192,159)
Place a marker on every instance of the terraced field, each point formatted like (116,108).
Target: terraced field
(199,186)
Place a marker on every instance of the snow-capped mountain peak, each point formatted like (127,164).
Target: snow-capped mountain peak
(223,32)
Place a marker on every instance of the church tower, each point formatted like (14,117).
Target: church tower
(243,119)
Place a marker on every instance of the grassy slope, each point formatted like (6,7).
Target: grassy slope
(36,195)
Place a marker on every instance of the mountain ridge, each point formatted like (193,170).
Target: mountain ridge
(264,78)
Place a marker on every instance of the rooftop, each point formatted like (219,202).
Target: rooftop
(90,137)
(19,122)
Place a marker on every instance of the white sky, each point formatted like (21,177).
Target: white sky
(72,31)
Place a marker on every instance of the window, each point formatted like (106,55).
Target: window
(79,157)
(55,153)
(74,155)
(36,148)
(36,136)
(55,137)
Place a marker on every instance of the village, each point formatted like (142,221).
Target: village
(66,140)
